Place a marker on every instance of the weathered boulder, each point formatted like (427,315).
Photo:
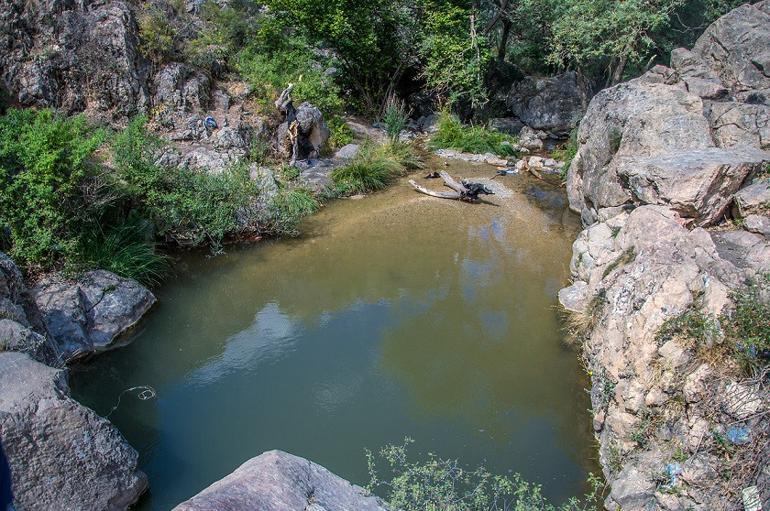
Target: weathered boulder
(308,129)
(754,198)
(74,56)
(16,337)
(62,455)
(507,125)
(553,104)
(277,481)
(737,48)
(89,315)
(348,152)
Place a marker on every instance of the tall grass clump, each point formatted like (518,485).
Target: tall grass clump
(567,153)
(453,134)
(287,209)
(395,117)
(375,167)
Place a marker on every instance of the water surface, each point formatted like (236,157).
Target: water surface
(396,315)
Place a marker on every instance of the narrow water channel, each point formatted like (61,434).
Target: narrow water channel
(395,315)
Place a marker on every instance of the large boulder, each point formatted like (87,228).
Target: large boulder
(90,314)
(648,141)
(62,455)
(553,104)
(277,481)
(74,56)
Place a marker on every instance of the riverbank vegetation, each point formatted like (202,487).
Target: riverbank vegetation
(452,134)
(74,196)
(375,167)
(443,484)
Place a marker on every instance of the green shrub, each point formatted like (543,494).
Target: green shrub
(270,66)
(438,484)
(341,134)
(287,209)
(749,325)
(157,35)
(567,153)
(45,163)
(452,134)
(186,206)
(375,167)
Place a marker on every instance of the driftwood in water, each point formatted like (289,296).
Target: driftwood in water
(465,191)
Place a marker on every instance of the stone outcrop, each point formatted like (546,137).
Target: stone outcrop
(554,104)
(303,135)
(661,159)
(89,315)
(62,455)
(21,328)
(688,136)
(74,56)
(277,481)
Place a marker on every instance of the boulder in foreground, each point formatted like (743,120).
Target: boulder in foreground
(62,455)
(277,481)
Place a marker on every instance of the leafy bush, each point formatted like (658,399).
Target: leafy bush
(186,206)
(45,162)
(444,485)
(287,209)
(341,134)
(157,35)
(750,325)
(269,66)
(375,167)
(452,134)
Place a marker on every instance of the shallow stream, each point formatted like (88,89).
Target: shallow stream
(394,315)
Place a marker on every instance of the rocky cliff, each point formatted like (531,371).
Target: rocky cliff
(671,181)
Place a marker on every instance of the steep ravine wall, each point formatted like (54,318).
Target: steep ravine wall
(662,162)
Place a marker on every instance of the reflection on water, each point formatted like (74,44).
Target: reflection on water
(396,315)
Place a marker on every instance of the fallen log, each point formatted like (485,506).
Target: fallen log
(466,191)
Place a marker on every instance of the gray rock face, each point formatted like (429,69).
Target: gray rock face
(638,270)
(180,87)
(21,328)
(507,125)
(62,455)
(75,56)
(554,104)
(89,315)
(277,481)
(661,157)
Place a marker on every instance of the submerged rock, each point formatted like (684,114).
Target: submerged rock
(277,481)
(88,316)
(62,455)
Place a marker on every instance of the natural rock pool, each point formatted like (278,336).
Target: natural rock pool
(396,315)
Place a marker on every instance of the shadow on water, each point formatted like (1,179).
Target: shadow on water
(395,315)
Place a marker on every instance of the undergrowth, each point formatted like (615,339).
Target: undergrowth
(438,484)
(375,167)
(452,134)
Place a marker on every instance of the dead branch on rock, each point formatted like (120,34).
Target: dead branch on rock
(466,191)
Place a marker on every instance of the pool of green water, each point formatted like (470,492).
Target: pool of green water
(395,315)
